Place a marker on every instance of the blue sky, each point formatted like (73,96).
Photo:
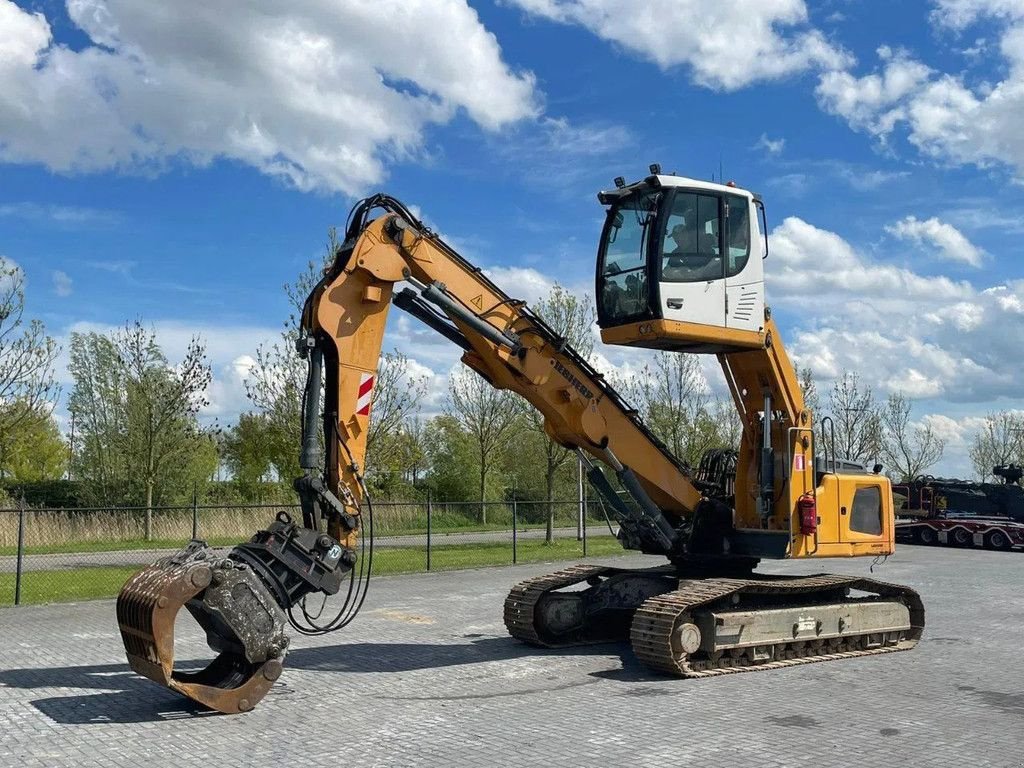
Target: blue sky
(178,163)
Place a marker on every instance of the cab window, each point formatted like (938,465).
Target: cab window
(690,250)
(739,235)
(623,288)
(866,515)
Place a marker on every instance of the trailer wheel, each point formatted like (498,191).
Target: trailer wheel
(997,540)
(926,535)
(962,537)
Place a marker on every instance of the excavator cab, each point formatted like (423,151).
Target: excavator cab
(680,265)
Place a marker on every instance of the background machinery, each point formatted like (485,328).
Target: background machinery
(962,513)
(679,268)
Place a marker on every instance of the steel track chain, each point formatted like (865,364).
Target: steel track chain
(523,598)
(656,619)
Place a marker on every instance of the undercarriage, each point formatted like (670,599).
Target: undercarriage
(695,627)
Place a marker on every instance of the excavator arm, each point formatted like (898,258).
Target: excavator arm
(504,342)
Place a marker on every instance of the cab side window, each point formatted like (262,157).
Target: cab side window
(690,250)
(739,235)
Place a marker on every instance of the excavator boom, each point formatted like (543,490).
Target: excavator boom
(766,500)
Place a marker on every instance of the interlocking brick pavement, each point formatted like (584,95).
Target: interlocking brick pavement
(426,676)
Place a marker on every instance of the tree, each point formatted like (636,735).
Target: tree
(452,455)
(414,453)
(137,417)
(488,414)
(908,450)
(98,404)
(396,398)
(856,417)
(728,428)
(35,450)
(162,404)
(571,318)
(27,357)
(248,449)
(999,441)
(673,399)
(277,380)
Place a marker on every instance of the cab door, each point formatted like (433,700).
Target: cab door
(744,271)
(690,265)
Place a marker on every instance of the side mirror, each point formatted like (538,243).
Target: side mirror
(617,221)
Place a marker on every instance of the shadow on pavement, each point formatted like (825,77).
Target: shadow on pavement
(126,697)
(129,698)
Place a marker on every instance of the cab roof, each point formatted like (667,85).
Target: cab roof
(662,180)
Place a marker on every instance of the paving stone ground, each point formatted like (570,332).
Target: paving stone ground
(426,676)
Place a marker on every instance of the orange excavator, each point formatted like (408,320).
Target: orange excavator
(679,268)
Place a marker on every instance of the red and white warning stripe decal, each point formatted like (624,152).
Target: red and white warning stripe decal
(365,392)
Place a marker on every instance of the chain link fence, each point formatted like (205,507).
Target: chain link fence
(55,555)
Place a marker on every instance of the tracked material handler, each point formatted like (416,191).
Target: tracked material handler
(679,268)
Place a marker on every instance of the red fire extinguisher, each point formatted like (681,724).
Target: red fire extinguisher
(808,511)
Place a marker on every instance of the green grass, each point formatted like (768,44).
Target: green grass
(454,556)
(123,545)
(93,582)
(65,586)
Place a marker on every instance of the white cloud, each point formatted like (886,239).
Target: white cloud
(725,45)
(929,336)
(61,215)
(523,283)
(317,92)
(771,146)
(949,242)
(61,283)
(807,261)
(956,432)
(959,14)
(942,115)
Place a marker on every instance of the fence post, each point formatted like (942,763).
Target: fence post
(195,511)
(430,515)
(21,551)
(579,489)
(583,522)
(515,531)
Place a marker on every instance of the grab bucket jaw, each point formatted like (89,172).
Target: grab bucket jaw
(241,619)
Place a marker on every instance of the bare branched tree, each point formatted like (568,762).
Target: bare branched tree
(27,356)
(856,417)
(999,441)
(488,414)
(276,381)
(396,399)
(906,449)
(675,402)
(728,427)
